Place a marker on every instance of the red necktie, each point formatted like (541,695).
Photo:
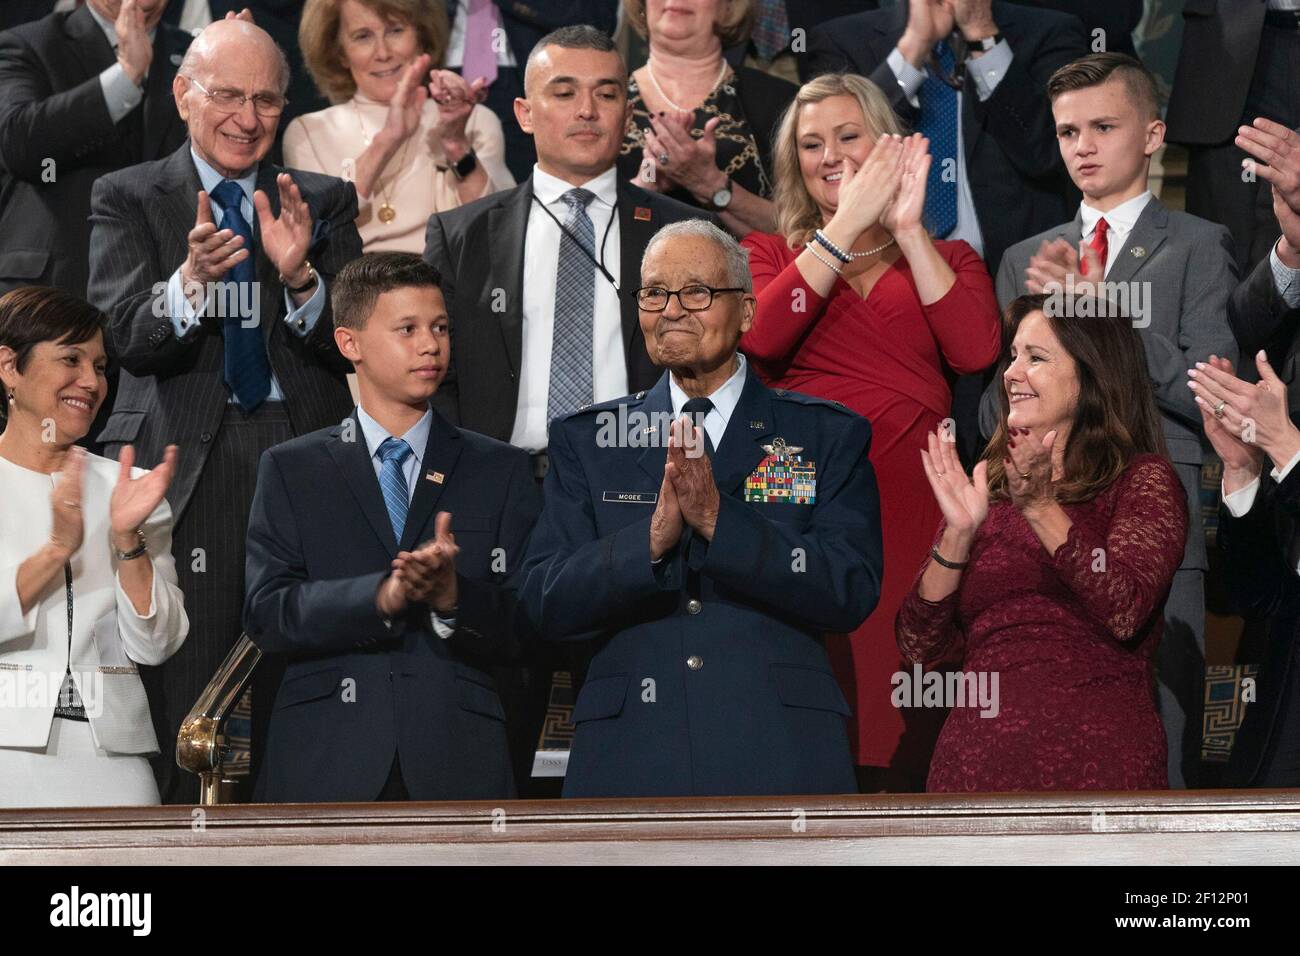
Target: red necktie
(1099,246)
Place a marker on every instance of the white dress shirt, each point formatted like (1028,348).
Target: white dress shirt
(1119,224)
(541,264)
(109,638)
(724,398)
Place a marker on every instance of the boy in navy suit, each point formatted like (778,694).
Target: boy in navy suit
(385,613)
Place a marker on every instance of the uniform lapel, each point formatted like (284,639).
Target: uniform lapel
(347,446)
(658,408)
(441,453)
(1148,234)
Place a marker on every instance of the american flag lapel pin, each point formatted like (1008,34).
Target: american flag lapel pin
(641,214)
(435,476)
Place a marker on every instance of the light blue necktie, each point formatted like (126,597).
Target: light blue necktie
(575,295)
(938,123)
(247,369)
(393,452)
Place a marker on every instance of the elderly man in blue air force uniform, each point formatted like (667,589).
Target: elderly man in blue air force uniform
(705,533)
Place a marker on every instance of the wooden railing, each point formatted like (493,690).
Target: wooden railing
(1205,827)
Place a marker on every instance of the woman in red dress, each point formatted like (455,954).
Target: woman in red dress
(1051,568)
(885,333)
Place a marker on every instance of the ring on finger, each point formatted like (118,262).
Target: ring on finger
(1218,409)
(663,159)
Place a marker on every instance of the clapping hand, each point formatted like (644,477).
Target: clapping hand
(407,104)
(68,526)
(1277,150)
(456,99)
(865,192)
(428,573)
(963,501)
(134,48)
(1056,261)
(212,253)
(904,212)
(691,161)
(286,237)
(1242,460)
(135,499)
(1258,413)
(1028,464)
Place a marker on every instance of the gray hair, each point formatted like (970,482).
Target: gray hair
(735,255)
(196,57)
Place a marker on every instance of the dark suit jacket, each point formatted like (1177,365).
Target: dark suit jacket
(52,108)
(479,249)
(1117,19)
(1018,182)
(1215,67)
(1261,319)
(15,12)
(1254,547)
(319,544)
(172,391)
(711,677)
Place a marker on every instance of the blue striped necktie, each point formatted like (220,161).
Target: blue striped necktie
(938,123)
(247,369)
(575,294)
(393,452)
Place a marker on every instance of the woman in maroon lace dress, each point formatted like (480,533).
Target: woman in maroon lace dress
(1051,566)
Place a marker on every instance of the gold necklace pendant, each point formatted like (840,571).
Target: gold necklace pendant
(386,212)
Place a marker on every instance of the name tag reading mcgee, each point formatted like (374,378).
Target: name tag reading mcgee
(631,497)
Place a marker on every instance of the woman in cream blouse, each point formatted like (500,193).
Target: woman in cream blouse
(411,149)
(87,581)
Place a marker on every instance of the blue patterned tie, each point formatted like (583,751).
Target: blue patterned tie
(248,372)
(393,452)
(575,293)
(938,123)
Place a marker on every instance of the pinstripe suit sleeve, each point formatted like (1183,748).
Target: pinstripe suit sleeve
(342,245)
(128,282)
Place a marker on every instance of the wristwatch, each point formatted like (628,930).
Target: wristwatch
(985,44)
(722,198)
(311,281)
(465,165)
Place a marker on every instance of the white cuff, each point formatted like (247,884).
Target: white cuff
(908,76)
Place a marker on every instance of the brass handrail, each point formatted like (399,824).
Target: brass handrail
(201,745)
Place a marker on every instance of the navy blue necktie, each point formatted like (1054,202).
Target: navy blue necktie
(392,482)
(248,371)
(938,123)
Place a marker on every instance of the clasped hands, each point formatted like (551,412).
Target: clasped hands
(688,495)
(426,575)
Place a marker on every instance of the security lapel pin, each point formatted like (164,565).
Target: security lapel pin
(435,476)
(1138,251)
(641,214)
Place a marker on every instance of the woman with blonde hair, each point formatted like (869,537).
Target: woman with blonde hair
(700,130)
(414,140)
(858,304)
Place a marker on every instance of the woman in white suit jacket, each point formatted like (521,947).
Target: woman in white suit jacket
(87,581)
